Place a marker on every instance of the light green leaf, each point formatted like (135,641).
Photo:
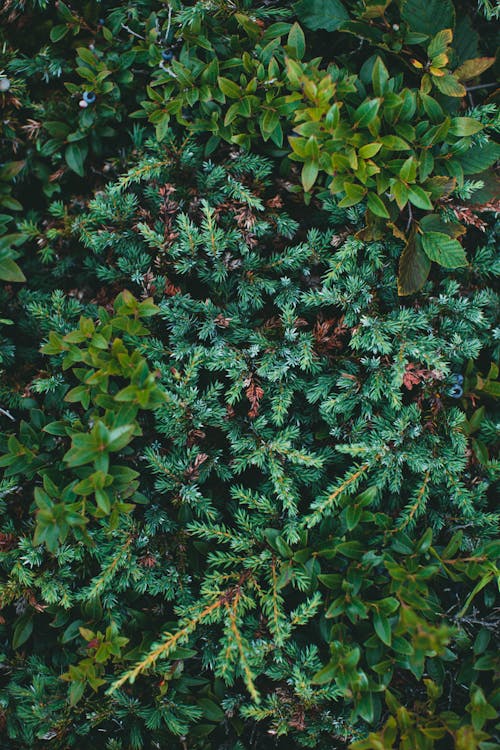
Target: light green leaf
(443,249)
(463,126)
(229,88)
(366,152)
(353,194)
(10,271)
(268,122)
(394,143)
(325,675)
(450,86)
(309,174)
(419,198)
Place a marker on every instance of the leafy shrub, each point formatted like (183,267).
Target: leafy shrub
(283,532)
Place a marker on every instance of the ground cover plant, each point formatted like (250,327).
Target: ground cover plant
(249,395)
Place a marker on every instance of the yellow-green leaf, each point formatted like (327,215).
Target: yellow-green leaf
(473,68)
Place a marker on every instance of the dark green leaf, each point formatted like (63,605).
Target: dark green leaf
(377,206)
(428,16)
(414,267)
(58,32)
(75,156)
(22,630)
(382,628)
(479,158)
(321,14)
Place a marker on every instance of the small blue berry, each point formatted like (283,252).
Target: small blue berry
(101,22)
(167,54)
(89,97)
(456,391)
(457,378)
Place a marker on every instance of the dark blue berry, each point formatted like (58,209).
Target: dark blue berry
(101,21)
(89,97)
(456,391)
(456,377)
(167,54)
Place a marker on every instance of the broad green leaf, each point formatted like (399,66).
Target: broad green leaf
(76,691)
(414,267)
(11,169)
(408,171)
(10,271)
(22,630)
(366,113)
(58,32)
(450,86)
(211,710)
(428,16)
(325,675)
(366,152)
(400,192)
(296,42)
(463,126)
(432,108)
(87,56)
(309,174)
(353,516)
(75,156)
(375,8)
(103,501)
(380,76)
(229,88)
(353,194)
(321,14)
(443,249)
(419,198)
(479,158)
(465,40)
(434,223)
(440,43)
(394,143)
(268,122)
(376,206)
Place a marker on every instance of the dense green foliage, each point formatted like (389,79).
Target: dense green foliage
(249,493)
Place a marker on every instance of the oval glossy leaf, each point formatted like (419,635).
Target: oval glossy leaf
(419,198)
